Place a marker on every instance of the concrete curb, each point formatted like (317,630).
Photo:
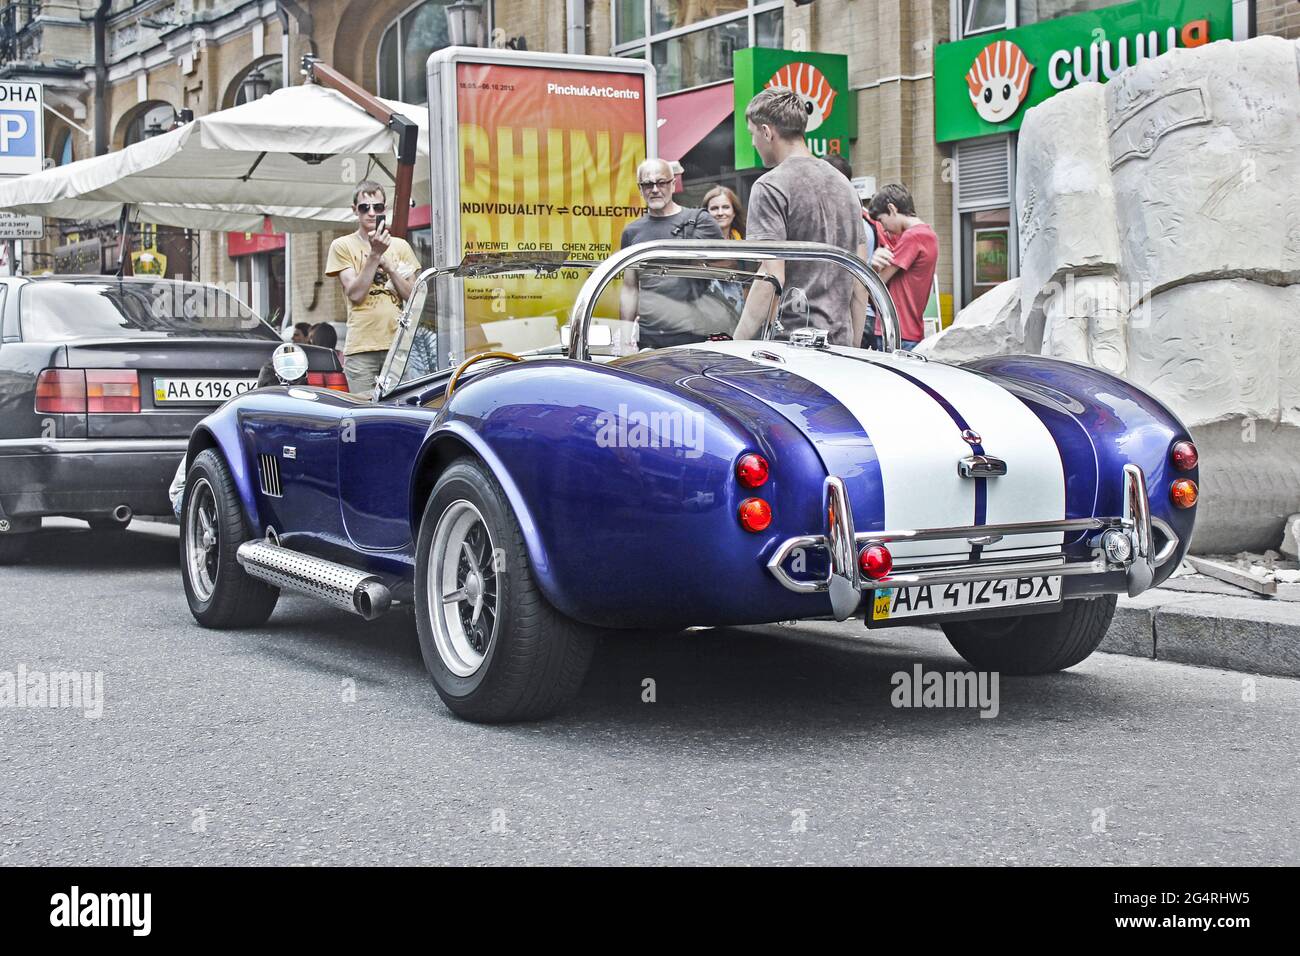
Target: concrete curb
(1213,630)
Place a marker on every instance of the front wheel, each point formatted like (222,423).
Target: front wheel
(219,591)
(496,649)
(1034,643)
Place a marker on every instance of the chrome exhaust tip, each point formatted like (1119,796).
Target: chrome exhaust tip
(336,584)
(371,599)
(122,514)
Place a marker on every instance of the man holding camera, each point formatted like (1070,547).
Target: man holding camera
(377,271)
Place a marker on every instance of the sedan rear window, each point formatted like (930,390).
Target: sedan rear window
(58,311)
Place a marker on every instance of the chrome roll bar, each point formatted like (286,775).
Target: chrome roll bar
(704,250)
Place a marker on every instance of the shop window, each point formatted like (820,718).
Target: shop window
(986,247)
(671,14)
(1035,11)
(691,42)
(699,57)
(261,284)
(629,17)
(980,16)
(769,29)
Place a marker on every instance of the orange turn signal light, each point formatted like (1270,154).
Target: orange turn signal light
(1183,492)
(755,514)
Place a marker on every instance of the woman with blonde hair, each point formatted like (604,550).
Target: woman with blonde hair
(725,208)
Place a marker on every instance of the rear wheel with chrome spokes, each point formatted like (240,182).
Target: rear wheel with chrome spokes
(496,649)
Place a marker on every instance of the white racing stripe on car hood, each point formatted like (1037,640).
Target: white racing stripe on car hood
(918,443)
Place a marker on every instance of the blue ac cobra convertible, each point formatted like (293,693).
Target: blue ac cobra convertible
(528,479)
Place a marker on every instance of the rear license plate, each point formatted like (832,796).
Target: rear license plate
(927,600)
(167,390)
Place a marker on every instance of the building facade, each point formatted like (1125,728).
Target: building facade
(162,57)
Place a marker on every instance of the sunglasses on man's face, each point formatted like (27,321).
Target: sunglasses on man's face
(365,207)
(656,184)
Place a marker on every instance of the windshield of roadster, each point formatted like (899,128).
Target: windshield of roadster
(524,307)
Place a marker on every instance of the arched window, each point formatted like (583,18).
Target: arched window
(272,70)
(64,154)
(405,47)
(158,118)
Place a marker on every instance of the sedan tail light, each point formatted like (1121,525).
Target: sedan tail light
(61,391)
(96,390)
(333,380)
(112,390)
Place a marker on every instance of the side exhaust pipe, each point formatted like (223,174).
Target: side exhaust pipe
(122,514)
(336,584)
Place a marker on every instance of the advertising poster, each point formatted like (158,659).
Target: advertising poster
(548,163)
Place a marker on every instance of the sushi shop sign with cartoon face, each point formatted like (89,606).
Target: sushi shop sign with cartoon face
(820,80)
(984,84)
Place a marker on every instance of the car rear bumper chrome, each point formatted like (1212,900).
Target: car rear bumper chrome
(844,582)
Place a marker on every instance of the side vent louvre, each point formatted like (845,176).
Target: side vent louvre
(268,470)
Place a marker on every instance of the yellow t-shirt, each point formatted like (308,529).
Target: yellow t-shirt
(372,324)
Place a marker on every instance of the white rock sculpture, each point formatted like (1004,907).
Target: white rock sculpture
(989,325)
(1291,538)
(1159,219)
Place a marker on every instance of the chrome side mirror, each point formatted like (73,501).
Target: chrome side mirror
(290,363)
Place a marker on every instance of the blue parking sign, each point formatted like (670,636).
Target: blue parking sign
(22,139)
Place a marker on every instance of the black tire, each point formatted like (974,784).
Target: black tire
(1034,643)
(107,523)
(13,546)
(222,594)
(533,660)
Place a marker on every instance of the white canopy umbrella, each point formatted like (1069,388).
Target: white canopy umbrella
(294,155)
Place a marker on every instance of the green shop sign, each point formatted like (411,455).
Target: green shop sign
(820,79)
(984,84)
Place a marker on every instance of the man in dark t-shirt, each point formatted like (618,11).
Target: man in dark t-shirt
(665,308)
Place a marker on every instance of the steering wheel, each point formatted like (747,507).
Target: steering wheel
(455,378)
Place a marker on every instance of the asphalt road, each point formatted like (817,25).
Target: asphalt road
(318,739)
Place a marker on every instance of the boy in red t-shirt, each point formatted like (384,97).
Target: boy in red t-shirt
(908,267)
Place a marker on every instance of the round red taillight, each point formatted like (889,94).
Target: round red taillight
(1184,455)
(1183,492)
(755,514)
(751,470)
(875,561)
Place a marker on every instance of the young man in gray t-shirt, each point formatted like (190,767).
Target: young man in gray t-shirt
(801,198)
